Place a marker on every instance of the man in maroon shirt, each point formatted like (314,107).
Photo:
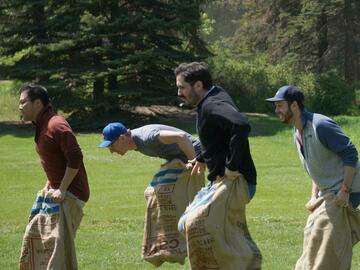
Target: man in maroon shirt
(55,142)
(66,189)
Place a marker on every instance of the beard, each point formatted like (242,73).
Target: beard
(192,98)
(286,117)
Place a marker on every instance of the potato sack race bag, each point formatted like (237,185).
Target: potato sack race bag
(216,231)
(330,233)
(169,193)
(48,242)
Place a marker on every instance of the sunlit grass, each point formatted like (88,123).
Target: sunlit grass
(9,101)
(111,232)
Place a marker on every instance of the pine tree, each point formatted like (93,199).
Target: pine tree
(101,47)
(312,35)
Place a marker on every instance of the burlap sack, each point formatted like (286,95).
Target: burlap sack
(48,242)
(329,235)
(169,193)
(216,230)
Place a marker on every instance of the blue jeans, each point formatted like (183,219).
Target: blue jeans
(354,199)
(252,190)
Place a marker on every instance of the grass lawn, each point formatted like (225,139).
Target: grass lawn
(111,232)
(8,103)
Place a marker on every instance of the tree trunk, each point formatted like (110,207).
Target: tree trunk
(351,57)
(322,33)
(98,91)
(38,15)
(112,83)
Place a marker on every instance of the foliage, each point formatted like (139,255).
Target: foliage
(92,55)
(85,49)
(318,41)
(332,95)
(9,101)
(250,82)
(316,36)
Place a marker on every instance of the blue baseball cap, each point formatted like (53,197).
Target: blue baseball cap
(111,132)
(288,93)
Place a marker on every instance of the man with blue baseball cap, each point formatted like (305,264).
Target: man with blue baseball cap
(154,140)
(331,160)
(171,189)
(111,132)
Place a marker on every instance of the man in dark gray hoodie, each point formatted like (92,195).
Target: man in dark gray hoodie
(223,131)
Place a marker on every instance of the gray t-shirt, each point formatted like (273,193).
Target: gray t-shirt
(147,142)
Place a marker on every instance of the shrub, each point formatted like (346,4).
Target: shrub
(332,95)
(251,81)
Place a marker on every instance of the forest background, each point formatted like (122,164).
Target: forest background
(105,60)
(98,57)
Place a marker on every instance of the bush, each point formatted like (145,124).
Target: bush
(250,82)
(9,100)
(332,95)
(356,108)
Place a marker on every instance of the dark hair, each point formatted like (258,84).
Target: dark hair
(195,71)
(35,91)
(299,102)
(293,93)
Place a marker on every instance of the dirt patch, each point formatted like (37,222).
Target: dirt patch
(16,128)
(94,121)
(163,111)
(132,117)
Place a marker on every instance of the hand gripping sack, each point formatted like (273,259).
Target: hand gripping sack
(216,231)
(48,241)
(169,193)
(330,233)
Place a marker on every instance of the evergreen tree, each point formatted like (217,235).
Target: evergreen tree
(99,46)
(312,35)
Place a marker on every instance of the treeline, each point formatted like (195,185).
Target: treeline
(93,52)
(262,44)
(97,51)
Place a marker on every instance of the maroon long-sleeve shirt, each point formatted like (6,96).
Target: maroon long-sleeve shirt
(57,147)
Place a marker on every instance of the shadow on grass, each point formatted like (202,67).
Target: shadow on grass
(17,129)
(262,125)
(94,121)
(265,125)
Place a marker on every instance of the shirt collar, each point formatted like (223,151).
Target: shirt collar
(207,93)
(305,117)
(42,118)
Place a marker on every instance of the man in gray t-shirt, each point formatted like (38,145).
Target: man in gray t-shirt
(154,140)
(171,189)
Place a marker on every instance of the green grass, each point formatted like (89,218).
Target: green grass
(111,232)
(8,101)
